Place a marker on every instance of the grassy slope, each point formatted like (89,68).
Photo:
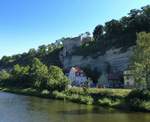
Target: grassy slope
(101,97)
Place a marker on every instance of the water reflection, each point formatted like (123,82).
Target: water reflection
(93,110)
(18,108)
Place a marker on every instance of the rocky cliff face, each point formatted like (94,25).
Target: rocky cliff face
(117,60)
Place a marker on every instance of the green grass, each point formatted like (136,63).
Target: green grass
(95,96)
(26,91)
(100,92)
(115,98)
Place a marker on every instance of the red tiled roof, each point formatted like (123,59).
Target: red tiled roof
(78,70)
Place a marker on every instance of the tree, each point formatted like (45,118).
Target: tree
(113,28)
(32,52)
(50,48)
(57,80)
(42,50)
(134,12)
(141,59)
(92,73)
(98,32)
(146,10)
(5,60)
(20,75)
(39,73)
(4,75)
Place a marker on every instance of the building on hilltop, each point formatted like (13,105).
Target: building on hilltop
(70,44)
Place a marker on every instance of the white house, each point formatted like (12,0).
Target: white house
(77,76)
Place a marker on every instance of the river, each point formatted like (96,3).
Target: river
(19,108)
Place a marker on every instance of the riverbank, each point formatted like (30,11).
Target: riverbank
(21,108)
(26,91)
(91,96)
(114,98)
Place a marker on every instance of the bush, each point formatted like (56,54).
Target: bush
(4,75)
(139,99)
(81,99)
(45,92)
(118,93)
(75,90)
(85,99)
(58,95)
(104,97)
(109,102)
(105,102)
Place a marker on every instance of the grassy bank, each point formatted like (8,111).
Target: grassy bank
(116,98)
(102,97)
(26,91)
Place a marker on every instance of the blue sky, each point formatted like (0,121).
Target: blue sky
(26,24)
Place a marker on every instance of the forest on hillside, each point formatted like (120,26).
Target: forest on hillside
(118,33)
(114,34)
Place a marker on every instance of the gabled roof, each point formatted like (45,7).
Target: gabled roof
(77,69)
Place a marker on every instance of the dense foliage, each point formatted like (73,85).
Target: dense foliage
(48,54)
(105,97)
(56,79)
(139,100)
(141,59)
(114,34)
(37,75)
(4,76)
(117,33)
(91,73)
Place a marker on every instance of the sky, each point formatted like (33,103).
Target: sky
(26,24)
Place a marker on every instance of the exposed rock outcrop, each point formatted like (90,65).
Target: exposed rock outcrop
(118,61)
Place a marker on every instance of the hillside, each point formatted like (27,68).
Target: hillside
(48,54)
(110,46)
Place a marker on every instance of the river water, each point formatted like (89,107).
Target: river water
(18,108)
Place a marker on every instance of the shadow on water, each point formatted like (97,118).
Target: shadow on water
(93,110)
(96,110)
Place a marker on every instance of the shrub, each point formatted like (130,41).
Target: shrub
(139,99)
(105,102)
(118,93)
(109,102)
(45,92)
(4,77)
(81,99)
(58,95)
(75,90)
(86,100)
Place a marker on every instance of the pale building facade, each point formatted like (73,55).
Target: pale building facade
(129,79)
(77,76)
